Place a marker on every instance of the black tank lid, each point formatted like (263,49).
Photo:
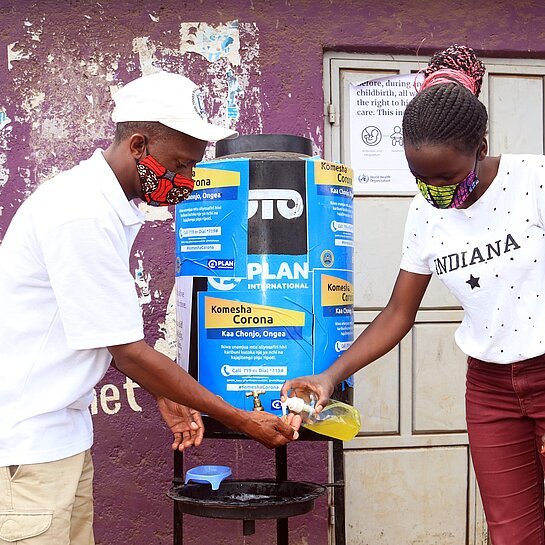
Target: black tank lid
(264,142)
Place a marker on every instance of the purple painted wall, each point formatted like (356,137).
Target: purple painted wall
(59,62)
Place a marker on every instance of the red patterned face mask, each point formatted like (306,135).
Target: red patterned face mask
(162,187)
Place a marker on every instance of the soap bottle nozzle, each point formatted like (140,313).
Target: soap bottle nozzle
(298,405)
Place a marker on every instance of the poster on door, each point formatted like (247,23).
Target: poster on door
(376,139)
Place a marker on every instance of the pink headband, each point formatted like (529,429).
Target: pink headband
(447,75)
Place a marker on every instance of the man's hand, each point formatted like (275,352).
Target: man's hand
(319,385)
(270,430)
(185,423)
(175,390)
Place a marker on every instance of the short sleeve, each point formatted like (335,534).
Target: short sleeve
(413,239)
(540,189)
(88,267)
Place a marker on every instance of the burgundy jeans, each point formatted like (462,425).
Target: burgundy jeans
(505,411)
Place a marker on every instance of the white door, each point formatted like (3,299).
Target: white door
(408,474)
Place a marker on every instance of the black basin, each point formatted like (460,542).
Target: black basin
(247,500)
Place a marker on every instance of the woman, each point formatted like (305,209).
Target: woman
(478,222)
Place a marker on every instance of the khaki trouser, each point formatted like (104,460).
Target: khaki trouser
(48,504)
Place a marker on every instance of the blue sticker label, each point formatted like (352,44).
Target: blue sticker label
(207,244)
(330,204)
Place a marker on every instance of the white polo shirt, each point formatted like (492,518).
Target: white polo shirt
(66,294)
(491,256)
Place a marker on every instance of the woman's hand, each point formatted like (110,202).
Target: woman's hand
(320,386)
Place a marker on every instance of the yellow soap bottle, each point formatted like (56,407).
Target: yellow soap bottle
(337,419)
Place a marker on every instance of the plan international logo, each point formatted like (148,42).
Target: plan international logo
(221,264)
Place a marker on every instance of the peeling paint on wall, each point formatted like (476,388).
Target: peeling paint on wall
(142,280)
(31,104)
(4,119)
(35,33)
(212,42)
(317,139)
(15,53)
(5,131)
(155,213)
(220,46)
(24,173)
(232,92)
(64,105)
(4,172)
(229,73)
(168,344)
(146,55)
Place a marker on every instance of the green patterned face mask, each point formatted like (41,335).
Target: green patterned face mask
(449,196)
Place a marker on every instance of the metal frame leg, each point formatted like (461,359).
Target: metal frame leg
(281,458)
(178,514)
(338,492)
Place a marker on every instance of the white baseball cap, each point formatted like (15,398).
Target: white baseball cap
(170,99)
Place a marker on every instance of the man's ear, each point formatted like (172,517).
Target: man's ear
(137,145)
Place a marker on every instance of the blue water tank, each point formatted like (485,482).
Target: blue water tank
(264,269)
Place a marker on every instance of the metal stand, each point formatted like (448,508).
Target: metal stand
(215,430)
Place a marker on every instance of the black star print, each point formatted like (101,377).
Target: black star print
(473,282)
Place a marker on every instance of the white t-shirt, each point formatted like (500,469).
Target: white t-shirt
(491,256)
(66,293)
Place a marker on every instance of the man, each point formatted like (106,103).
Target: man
(69,305)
